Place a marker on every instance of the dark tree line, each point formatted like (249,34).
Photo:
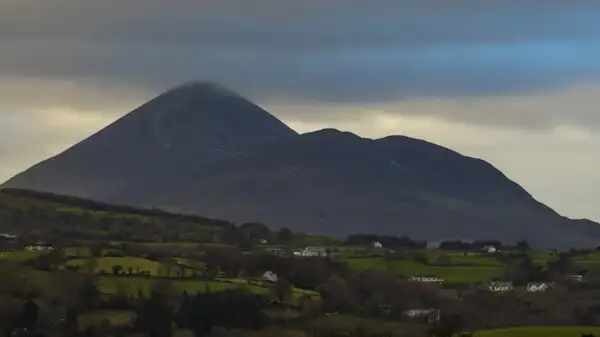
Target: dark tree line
(387,241)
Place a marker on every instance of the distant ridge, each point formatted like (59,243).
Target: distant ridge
(201,148)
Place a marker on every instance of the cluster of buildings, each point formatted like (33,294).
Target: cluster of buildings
(500,286)
(37,246)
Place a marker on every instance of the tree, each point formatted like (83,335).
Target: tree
(90,266)
(255,231)
(154,316)
(337,295)
(89,292)
(96,250)
(29,314)
(282,289)
(522,246)
(70,325)
(284,235)
(561,265)
(116,270)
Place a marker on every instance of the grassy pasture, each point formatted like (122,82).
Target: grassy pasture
(135,263)
(451,274)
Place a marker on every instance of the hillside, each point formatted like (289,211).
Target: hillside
(331,182)
(203,149)
(23,211)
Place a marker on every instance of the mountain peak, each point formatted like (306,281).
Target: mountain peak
(202,88)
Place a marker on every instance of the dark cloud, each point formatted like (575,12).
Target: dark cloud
(340,51)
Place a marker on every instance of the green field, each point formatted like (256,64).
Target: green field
(19,256)
(540,331)
(451,274)
(132,285)
(135,263)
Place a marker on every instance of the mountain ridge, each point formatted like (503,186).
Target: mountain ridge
(201,148)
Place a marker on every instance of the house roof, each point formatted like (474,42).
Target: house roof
(270,276)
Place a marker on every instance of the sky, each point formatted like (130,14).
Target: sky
(515,82)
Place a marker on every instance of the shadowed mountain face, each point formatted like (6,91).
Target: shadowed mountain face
(202,149)
(180,131)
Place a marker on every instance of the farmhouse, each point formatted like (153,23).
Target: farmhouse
(537,287)
(377,244)
(270,276)
(501,286)
(490,249)
(426,278)
(312,251)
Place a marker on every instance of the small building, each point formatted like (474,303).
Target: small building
(501,286)
(270,276)
(313,251)
(490,249)
(377,244)
(574,278)
(426,279)
(537,287)
(431,315)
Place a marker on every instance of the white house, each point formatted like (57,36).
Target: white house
(270,276)
(426,279)
(312,251)
(377,244)
(537,287)
(574,278)
(499,286)
(490,249)
(38,247)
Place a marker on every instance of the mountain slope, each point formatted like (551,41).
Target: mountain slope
(202,149)
(332,182)
(181,130)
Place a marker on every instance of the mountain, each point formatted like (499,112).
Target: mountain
(202,149)
(179,131)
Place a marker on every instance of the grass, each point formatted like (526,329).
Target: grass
(80,251)
(471,259)
(135,263)
(451,274)
(19,256)
(190,263)
(540,331)
(133,285)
